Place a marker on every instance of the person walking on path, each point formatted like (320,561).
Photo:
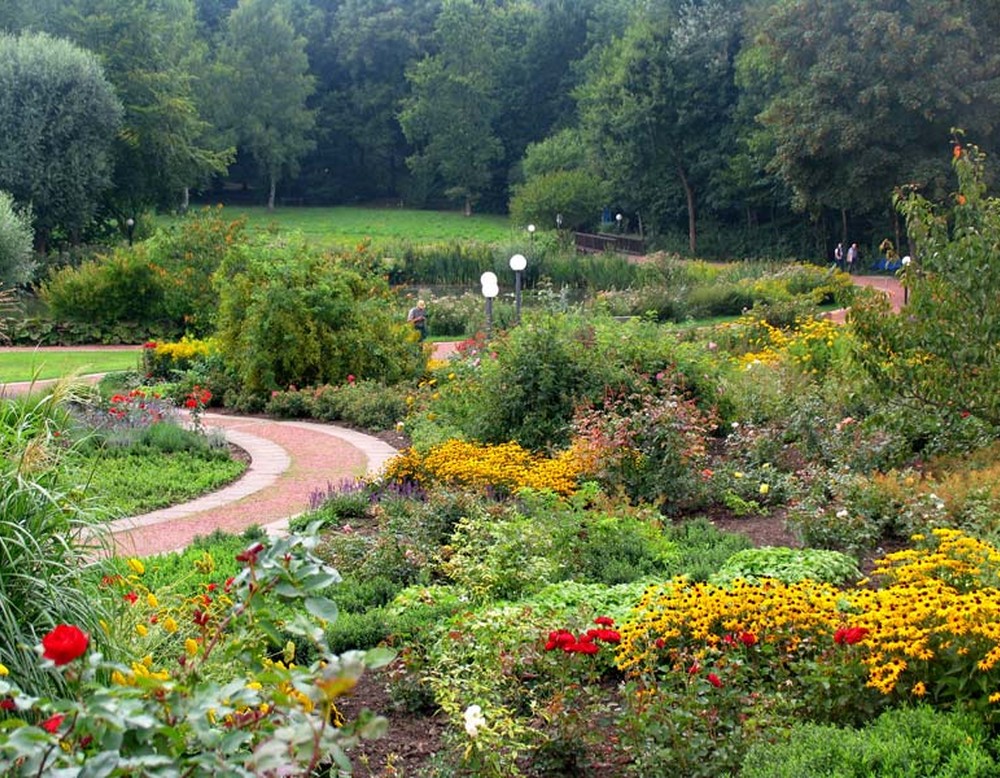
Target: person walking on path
(418,318)
(838,256)
(852,257)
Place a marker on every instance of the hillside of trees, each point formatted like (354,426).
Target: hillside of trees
(715,127)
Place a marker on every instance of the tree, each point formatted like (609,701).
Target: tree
(15,243)
(58,117)
(151,53)
(942,353)
(265,77)
(655,107)
(864,91)
(450,113)
(360,57)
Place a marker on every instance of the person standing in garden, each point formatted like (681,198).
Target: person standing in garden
(838,256)
(418,318)
(852,257)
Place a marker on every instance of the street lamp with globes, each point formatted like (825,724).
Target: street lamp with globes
(906,279)
(618,221)
(130,228)
(490,290)
(517,263)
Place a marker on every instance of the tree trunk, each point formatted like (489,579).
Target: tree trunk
(271,191)
(468,205)
(185,199)
(843,227)
(692,223)
(896,228)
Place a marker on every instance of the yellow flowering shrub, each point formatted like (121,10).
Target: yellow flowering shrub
(810,346)
(160,359)
(931,629)
(506,467)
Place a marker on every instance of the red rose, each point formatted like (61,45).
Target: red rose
(748,639)
(715,680)
(64,644)
(604,621)
(51,724)
(8,705)
(849,636)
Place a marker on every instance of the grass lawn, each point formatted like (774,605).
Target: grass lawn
(27,364)
(348,226)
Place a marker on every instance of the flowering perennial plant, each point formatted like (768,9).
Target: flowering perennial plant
(135,410)
(810,347)
(932,630)
(223,702)
(506,467)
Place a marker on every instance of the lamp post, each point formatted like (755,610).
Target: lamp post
(517,263)
(129,228)
(906,279)
(618,221)
(531,236)
(558,221)
(490,290)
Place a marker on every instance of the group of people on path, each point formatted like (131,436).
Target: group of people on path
(846,261)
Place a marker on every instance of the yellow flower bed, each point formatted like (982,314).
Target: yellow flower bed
(808,347)
(933,628)
(184,349)
(506,466)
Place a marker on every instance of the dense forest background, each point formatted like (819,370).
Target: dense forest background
(724,127)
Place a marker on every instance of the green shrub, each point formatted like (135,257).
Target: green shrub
(575,194)
(16,237)
(112,289)
(289,316)
(788,565)
(700,548)
(899,743)
(369,405)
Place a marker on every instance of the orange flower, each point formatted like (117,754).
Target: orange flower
(957,151)
(961,199)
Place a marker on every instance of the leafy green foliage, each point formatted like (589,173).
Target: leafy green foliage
(789,565)
(910,741)
(47,531)
(58,118)
(930,356)
(16,263)
(289,316)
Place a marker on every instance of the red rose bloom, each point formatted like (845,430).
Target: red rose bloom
(64,644)
(849,636)
(51,724)
(604,621)
(8,705)
(715,680)
(748,639)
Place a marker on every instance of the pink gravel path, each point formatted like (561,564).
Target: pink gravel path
(890,285)
(290,461)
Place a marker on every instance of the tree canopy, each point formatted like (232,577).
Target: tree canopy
(58,118)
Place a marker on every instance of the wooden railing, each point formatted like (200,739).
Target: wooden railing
(596,243)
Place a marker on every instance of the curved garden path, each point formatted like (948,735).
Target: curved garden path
(289,461)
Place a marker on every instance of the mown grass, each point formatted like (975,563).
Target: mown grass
(347,227)
(130,484)
(28,364)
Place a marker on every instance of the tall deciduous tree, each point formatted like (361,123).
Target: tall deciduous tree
(151,53)
(266,84)
(454,102)
(656,107)
(864,92)
(58,118)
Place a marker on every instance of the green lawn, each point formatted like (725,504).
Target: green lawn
(27,364)
(349,226)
